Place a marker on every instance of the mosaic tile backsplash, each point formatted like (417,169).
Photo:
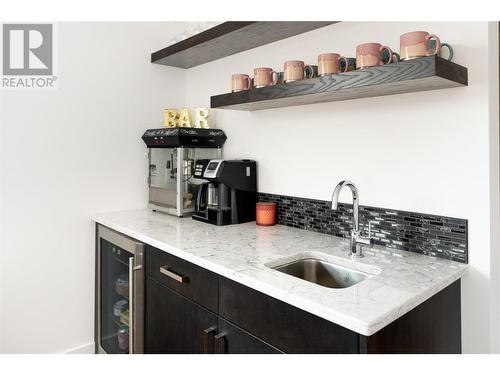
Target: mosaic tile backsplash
(439,236)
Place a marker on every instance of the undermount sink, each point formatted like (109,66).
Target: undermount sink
(322,273)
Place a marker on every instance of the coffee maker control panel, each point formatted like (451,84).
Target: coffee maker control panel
(212,169)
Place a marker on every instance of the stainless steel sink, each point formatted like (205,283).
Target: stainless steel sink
(322,273)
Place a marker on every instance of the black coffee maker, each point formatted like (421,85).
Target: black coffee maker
(230,194)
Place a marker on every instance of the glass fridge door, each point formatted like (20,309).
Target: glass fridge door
(114,292)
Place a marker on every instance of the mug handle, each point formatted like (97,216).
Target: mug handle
(275,77)
(249,80)
(390,54)
(437,50)
(396,55)
(346,63)
(450,50)
(310,68)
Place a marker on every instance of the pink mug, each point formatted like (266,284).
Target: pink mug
(329,63)
(264,77)
(416,44)
(295,70)
(240,82)
(370,54)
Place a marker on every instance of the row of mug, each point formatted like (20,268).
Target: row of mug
(412,45)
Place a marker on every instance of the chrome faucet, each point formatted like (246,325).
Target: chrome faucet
(356,236)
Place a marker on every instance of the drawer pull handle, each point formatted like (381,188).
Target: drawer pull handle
(208,340)
(179,278)
(220,343)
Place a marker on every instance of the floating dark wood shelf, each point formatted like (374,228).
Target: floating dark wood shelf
(227,39)
(422,74)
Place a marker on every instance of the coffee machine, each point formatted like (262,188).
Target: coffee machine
(230,194)
(173,153)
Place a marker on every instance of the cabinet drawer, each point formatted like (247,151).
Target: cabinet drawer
(193,282)
(281,325)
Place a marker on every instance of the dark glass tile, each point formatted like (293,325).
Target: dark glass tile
(409,219)
(422,233)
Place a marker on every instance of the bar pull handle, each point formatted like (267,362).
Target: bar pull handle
(131,306)
(173,275)
(220,343)
(208,340)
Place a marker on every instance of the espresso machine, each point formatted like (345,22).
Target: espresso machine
(230,195)
(173,154)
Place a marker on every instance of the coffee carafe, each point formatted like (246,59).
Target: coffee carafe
(207,197)
(230,194)
(212,198)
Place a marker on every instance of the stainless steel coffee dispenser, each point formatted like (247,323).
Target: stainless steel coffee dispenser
(173,154)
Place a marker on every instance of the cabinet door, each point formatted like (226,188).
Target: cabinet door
(284,326)
(433,327)
(233,340)
(174,324)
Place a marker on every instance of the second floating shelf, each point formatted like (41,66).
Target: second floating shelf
(422,74)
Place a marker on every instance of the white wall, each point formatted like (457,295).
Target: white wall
(66,154)
(426,152)
(493,60)
(70,152)
(1,231)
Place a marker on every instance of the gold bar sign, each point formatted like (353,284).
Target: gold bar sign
(171,118)
(202,115)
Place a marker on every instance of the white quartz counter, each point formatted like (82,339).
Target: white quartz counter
(402,280)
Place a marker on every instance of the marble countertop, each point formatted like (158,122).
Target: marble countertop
(401,280)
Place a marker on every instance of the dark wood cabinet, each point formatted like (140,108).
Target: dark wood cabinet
(209,313)
(284,326)
(434,326)
(173,323)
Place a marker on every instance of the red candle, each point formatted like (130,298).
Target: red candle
(266,213)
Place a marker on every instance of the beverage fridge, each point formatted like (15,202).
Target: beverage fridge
(119,315)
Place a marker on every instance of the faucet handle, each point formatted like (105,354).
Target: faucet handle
(371,241)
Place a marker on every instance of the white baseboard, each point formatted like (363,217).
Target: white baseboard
(82,349)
